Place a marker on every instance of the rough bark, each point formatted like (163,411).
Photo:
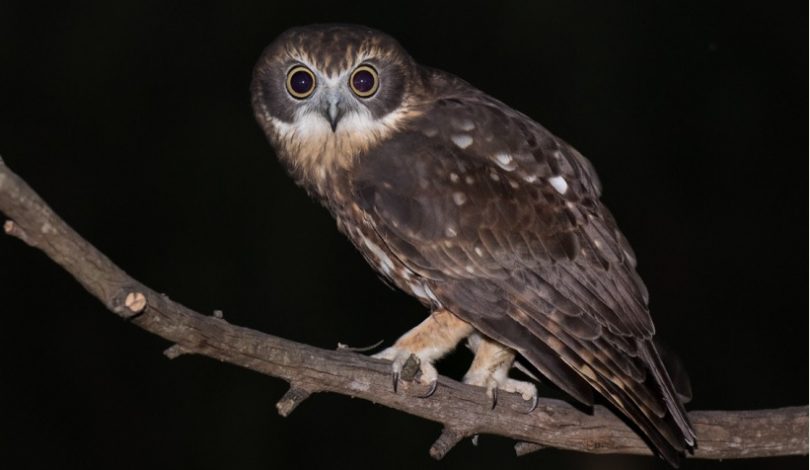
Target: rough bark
(463,410)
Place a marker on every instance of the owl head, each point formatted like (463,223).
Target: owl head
(323,83)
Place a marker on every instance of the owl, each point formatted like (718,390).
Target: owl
(487,218)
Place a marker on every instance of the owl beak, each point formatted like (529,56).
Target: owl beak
(333,113)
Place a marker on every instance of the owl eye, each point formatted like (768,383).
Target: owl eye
(364,81)
(300,82)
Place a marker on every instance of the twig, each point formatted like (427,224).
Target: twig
(346,347)
(462,409)
(290,401)
(446,441)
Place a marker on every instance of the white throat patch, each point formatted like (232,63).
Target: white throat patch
(312,146)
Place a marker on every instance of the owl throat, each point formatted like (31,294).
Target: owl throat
(315,154)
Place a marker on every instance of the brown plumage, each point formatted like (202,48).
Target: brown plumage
(479,212)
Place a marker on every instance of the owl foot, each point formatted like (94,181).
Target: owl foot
(413,354)
(490,369)
(410,366)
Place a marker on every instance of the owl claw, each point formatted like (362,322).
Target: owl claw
(401,361)
(493,386)
(535,401)
(432,389)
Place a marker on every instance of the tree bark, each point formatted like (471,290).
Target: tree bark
(463,410)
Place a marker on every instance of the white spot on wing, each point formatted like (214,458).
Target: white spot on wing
(505,161)
(559,184)
(418,290)
(431,295)
(386,265)
(422,291)
(629,256)
(503,158)
(464,124)
(479,251)
(462,140)
(450,231)
(459,198)
(454,177)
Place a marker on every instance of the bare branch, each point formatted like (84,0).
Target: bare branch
(463,410)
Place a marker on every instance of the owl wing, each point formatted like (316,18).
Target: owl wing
(502,222)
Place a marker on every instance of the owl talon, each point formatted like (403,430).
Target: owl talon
(431,390)
(535,401)
(493,386)
(403,363)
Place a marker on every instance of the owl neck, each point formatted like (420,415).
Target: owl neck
(320,159)
(326,179)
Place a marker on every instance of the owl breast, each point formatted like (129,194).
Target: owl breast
(356,225)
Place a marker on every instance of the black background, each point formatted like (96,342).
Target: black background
(132,119)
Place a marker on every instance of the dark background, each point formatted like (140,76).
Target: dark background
(132,119)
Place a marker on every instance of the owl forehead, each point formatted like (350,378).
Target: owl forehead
(332,64)
(334,51)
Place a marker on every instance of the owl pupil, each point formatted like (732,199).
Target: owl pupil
(363,81)
(301,82)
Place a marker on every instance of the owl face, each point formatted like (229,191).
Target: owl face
(320,80)
(312,95)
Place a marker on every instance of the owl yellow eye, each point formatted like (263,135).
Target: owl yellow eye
(364,81)
(300,82)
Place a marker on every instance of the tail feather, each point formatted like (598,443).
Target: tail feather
(674,404)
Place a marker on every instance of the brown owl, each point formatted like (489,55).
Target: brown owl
(486,217)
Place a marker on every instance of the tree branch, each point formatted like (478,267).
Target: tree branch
(463,410)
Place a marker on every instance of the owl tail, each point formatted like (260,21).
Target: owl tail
(669,432)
